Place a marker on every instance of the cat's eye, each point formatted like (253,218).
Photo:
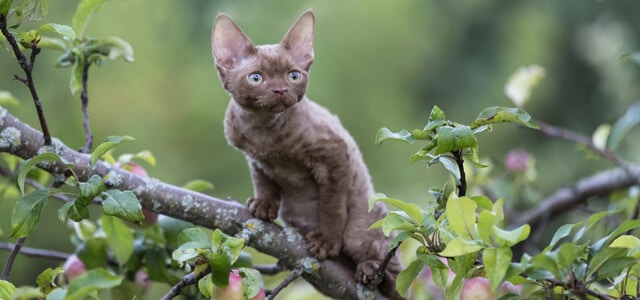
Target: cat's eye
(255,78)
(294,76)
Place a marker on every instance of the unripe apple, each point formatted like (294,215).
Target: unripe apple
(507,288)
(477,288)
(517,160)
(235,289)
(73,267)
(142,280)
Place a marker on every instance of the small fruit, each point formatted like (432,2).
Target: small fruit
(235,289)
(517,160)
(73,267)
(477,288)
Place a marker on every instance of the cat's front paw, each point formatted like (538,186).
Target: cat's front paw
(322,246)
(263,209)
(366,271)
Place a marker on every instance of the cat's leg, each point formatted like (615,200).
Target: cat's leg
(266,194)
(331,174)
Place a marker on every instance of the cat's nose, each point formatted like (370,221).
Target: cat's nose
(281,92)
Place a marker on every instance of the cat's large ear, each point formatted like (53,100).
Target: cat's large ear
(229,45)
(299,40)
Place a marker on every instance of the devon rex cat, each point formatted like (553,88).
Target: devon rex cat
(305,166)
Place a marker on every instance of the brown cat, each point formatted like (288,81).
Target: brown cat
(305,166)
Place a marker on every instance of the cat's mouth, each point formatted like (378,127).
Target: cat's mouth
(274,105)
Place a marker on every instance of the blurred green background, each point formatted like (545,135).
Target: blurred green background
(377,64)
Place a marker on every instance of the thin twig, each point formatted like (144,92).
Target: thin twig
(269,269)
(84,97)
(187,280)
(585,141)
(563,199)
(295,274)
(12,257)
(35,252)
(27,67)
(462,186)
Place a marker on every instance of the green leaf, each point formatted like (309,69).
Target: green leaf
(31,11)
(451,166)
(198,185)
(423,152)
(63,30)
(395,221)
(436,114)
(5,5)
(622,127)
(115,48)
(91,189)
(6,289)
(28,164)
(521,82)
(602,256)
(499,114)
(8,100)
(486,221)
(386,134)
(83,14)
(75,81)
(74,210)
(560,233)
(47,279)
(119,238)
(459,246)
(496,264)
(252,282)
(232,246)
(52,43)
(411,209)
(93,280)
(186,252)
(122,204)
(28,292)
(156,260)
(512,237)
(220,262)
(57,294)
(205,286)
(455,138)
(26,213)
(194,235)
(108,144)
(625,241)
(407,276)
(461,215)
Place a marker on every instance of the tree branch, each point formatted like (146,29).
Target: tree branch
(27,67)
(559,202)
(12,257)
(286,244)
(189,279)
(84,97)
(35,252)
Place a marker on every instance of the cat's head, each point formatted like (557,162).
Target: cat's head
(267,78)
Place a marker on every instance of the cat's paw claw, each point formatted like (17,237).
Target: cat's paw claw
(263,209)
(322,247)
(366,271)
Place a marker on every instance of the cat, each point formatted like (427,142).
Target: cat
(305,166)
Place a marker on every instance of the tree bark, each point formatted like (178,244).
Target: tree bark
(287,245)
